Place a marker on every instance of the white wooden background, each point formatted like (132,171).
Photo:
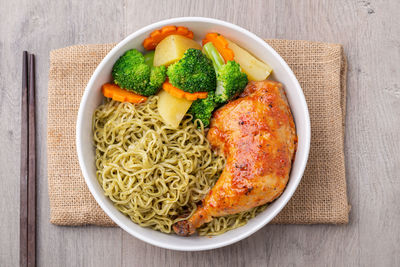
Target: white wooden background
(370,33)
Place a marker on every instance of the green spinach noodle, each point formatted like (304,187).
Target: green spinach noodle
(153,173)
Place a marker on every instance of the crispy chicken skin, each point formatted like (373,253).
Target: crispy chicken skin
(257,135)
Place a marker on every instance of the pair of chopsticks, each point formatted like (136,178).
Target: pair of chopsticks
(28,164)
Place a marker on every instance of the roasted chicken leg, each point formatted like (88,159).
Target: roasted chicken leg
(257,135)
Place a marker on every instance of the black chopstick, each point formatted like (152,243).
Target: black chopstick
(23,214)
(28,164)
(31,164)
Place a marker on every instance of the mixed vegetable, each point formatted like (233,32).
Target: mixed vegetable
(187,77)
(230,79)
(193,73)
(132,73)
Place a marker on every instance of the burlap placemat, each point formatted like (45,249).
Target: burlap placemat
(321,196)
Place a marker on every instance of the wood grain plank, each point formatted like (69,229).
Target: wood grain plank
(10,132)
(44,25)
(378,132)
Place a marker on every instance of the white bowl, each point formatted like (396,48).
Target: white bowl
(93,97)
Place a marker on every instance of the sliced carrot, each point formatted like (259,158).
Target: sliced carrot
(167,86)
(118,94)
(195,96)
(221,44)
(157,36)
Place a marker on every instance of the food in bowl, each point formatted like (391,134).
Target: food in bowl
(192,138)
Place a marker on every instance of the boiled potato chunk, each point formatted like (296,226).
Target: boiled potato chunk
(172,48)
(171,108)
(254,68)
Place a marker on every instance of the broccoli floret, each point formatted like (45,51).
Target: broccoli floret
(230,82)
(157,76)
(132,73)
(193,73)
(202,109)
(230,79)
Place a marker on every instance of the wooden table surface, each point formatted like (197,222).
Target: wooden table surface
(370,33)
